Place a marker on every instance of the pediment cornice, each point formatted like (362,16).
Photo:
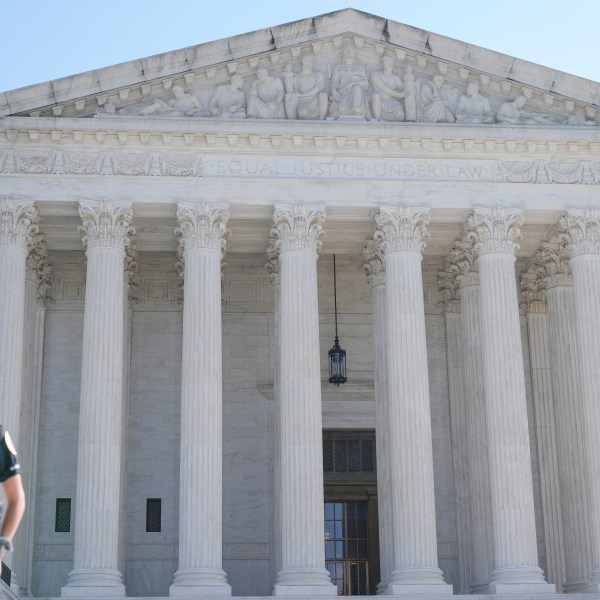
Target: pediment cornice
(199,70)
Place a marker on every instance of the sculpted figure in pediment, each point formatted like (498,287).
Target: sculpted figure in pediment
(386,102)
(181,105)
(472,107)
(229,100)
(349,84)
(265,100)
(512,113)
(305,96)
(436,101)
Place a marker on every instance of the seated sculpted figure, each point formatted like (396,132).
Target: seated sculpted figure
(385,102)
(513,114)
(305,97)
(349,84)
(472,107)
(435,101)
(229,100)
(265,100)
(182,105)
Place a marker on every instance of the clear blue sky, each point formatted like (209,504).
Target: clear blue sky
(43,40)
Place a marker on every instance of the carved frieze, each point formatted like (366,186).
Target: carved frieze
(344,78)
(519,171)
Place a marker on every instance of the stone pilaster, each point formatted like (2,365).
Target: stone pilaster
(495,232)
(570,433)
(106,228)
(402,231)
(375,269)
(296,234)
(38,276)
(582,228)
(464,259)
(18,222)
(273,268)
(448,286)
(202,231)
(533,290)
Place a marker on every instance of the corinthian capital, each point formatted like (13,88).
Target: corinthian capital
(298,227)
(202,225)
(18,222)
(373,262)
(402,228)
(106,224)
(533,288)
(495,230)
(581,229)
(463,258)
(556,264)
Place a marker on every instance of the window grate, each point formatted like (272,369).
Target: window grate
(62,523)
(348,455)
(153,515)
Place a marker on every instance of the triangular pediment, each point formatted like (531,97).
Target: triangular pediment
(433,76)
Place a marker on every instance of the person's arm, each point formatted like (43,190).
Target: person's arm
(15,506)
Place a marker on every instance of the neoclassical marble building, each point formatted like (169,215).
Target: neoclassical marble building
(167,227)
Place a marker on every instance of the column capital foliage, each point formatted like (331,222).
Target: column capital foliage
(581,230)
(534,290)
(18,222)
(106,224)
(462,260)
(202,226)
(495,230)
(402,228)
(38,269)
(555,260)
(374,264)
(297,227)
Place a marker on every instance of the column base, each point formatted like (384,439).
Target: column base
(519,581)
(585,586)
(418,582)
(200,582)
(94,583)
(304,582)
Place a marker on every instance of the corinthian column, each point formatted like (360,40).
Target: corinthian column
(583,231)
(464,258)
(415,569)
(96,556)
(297,233)
(496,232)
(18,222)
(375,269)
(202,231)
(570,432)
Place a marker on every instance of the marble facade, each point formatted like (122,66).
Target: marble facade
(147,353)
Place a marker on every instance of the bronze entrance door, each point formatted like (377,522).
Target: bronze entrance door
(347,547)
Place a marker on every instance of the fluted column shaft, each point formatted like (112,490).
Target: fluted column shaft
(17,224)
(97,519)
(402,231)
(201,229)
(376,274)
(296,234)
(513,515)
(479,479)
(570,437)
(583,228)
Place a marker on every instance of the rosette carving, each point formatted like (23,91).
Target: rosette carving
(106,224)
(495,230)
(402,228)
(580,229)
(18,223)
(298,227)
